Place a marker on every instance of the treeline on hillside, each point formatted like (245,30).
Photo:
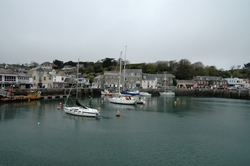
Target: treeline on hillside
(183,69)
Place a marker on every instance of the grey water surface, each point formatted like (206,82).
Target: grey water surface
(194,131)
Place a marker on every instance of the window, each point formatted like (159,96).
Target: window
(44,78)
(10,78)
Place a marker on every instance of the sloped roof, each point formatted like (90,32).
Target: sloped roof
(6,71)
(133,70)
(98,77)
(149,77)
(159,75)
(111,73)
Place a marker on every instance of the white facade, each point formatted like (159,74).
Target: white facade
(149,84)
(14,80)
(235,81)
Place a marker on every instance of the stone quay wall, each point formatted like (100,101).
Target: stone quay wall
(223,93)
(59,91)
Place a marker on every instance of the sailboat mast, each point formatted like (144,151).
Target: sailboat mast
(77,70)
(123,86)
(120,61)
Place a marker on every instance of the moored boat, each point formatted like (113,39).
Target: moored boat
(127,100)
(145,94)
(167,93)
(8,96)
(78,109)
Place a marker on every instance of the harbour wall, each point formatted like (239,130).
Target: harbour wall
(47,93)
(223,93)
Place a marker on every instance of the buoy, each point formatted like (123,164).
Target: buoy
(38,123)
(118,114)
(175,103)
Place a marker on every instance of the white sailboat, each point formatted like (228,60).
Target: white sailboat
(166,92)
(78,109)
(121,99)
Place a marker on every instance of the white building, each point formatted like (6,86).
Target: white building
(236,82)
(149,82)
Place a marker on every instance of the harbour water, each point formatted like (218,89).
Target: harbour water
(195,131)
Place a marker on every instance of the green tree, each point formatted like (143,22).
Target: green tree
(224,74)
(184,70)
(98,67)
(71,63)
(108,63)
(174,82)
(58,63)
(247,69)
(150,68)
(199,69)
(172,66)
(212,71)
(162,66)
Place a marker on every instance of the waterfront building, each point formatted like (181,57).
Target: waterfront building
(59,78)
(186,84)
(111,79)
(83,82)
(210,82)
(98,82)
(11,79)
(132,78)
(165,80)
(47,65)
(41,78)
(149,81)
(236,82)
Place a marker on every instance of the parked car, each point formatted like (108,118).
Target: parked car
(232,88)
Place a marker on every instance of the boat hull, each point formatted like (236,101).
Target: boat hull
(122,100)
(167,93)
(145,94)
(79,111)
(131,93)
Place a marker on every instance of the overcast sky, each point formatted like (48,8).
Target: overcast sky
(214,32)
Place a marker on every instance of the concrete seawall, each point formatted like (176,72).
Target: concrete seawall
(47,93)
(223,93)
(235,94)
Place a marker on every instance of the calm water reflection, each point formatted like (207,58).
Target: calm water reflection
(195,131)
